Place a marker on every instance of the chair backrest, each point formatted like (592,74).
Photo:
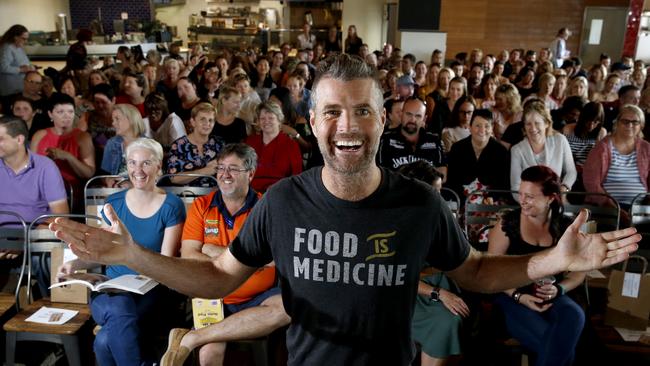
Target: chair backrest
(485,213)
(70,191)
(209,181)
(13,236)
(187,193)
(95,193)
(452,199)
(607,215)
(482,208)
(640,212)
(43,240)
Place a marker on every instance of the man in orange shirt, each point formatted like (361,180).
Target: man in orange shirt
(213,221)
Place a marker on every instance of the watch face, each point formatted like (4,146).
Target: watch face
(435,295)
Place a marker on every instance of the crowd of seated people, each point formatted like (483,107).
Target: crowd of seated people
(480,120)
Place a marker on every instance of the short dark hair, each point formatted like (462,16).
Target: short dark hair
(344,67)
(421,170)
(14,126)
(388,105)
(21,98)
(104,89)
(483,113)
(58,99)
(627,88)
(573,102)
(410,57)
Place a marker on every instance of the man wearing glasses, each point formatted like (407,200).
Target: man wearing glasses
(212,223)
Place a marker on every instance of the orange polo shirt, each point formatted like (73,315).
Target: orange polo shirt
(209,222)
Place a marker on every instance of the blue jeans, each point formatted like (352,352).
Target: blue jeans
(120,315)
(552,335)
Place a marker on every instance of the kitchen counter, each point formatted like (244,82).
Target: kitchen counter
(38,52)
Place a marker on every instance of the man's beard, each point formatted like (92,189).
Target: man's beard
(349,166)
(410,128)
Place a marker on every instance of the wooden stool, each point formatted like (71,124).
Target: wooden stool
(66,334)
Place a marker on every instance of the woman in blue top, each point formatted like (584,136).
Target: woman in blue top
(155,219)
(13,60)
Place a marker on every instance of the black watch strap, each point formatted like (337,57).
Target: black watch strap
(435,294)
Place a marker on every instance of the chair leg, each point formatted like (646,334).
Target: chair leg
(260,352)
(71,346)
(10,348)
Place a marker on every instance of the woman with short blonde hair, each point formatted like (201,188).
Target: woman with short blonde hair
(278,154)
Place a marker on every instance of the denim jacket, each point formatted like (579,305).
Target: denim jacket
(113,155)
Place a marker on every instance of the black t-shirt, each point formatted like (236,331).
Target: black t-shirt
(514,133)
(234,132)
(349,271)
(395,151)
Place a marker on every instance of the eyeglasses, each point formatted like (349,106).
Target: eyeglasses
(628,122)
(34,82)
(230,169)
(465,112)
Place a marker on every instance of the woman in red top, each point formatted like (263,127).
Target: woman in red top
(71,148)
(278,154)
(134,88)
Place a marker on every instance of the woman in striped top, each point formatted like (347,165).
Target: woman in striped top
(620,164)
(584,134)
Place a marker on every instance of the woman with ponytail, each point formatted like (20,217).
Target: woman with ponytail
(539,316)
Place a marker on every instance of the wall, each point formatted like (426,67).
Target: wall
(36,15)
(497,24)
(367,16)
(179,15)
(84,11)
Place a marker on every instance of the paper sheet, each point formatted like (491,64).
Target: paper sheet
(595,274)
(630,335)
(52,316)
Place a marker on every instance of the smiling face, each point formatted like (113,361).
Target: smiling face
(233,180)
(348,121)
(268,123)
(628,126)
(203,123)
(481,130)
(535,126)
(62,116)
(456,91)
(143,169)
(533,201)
